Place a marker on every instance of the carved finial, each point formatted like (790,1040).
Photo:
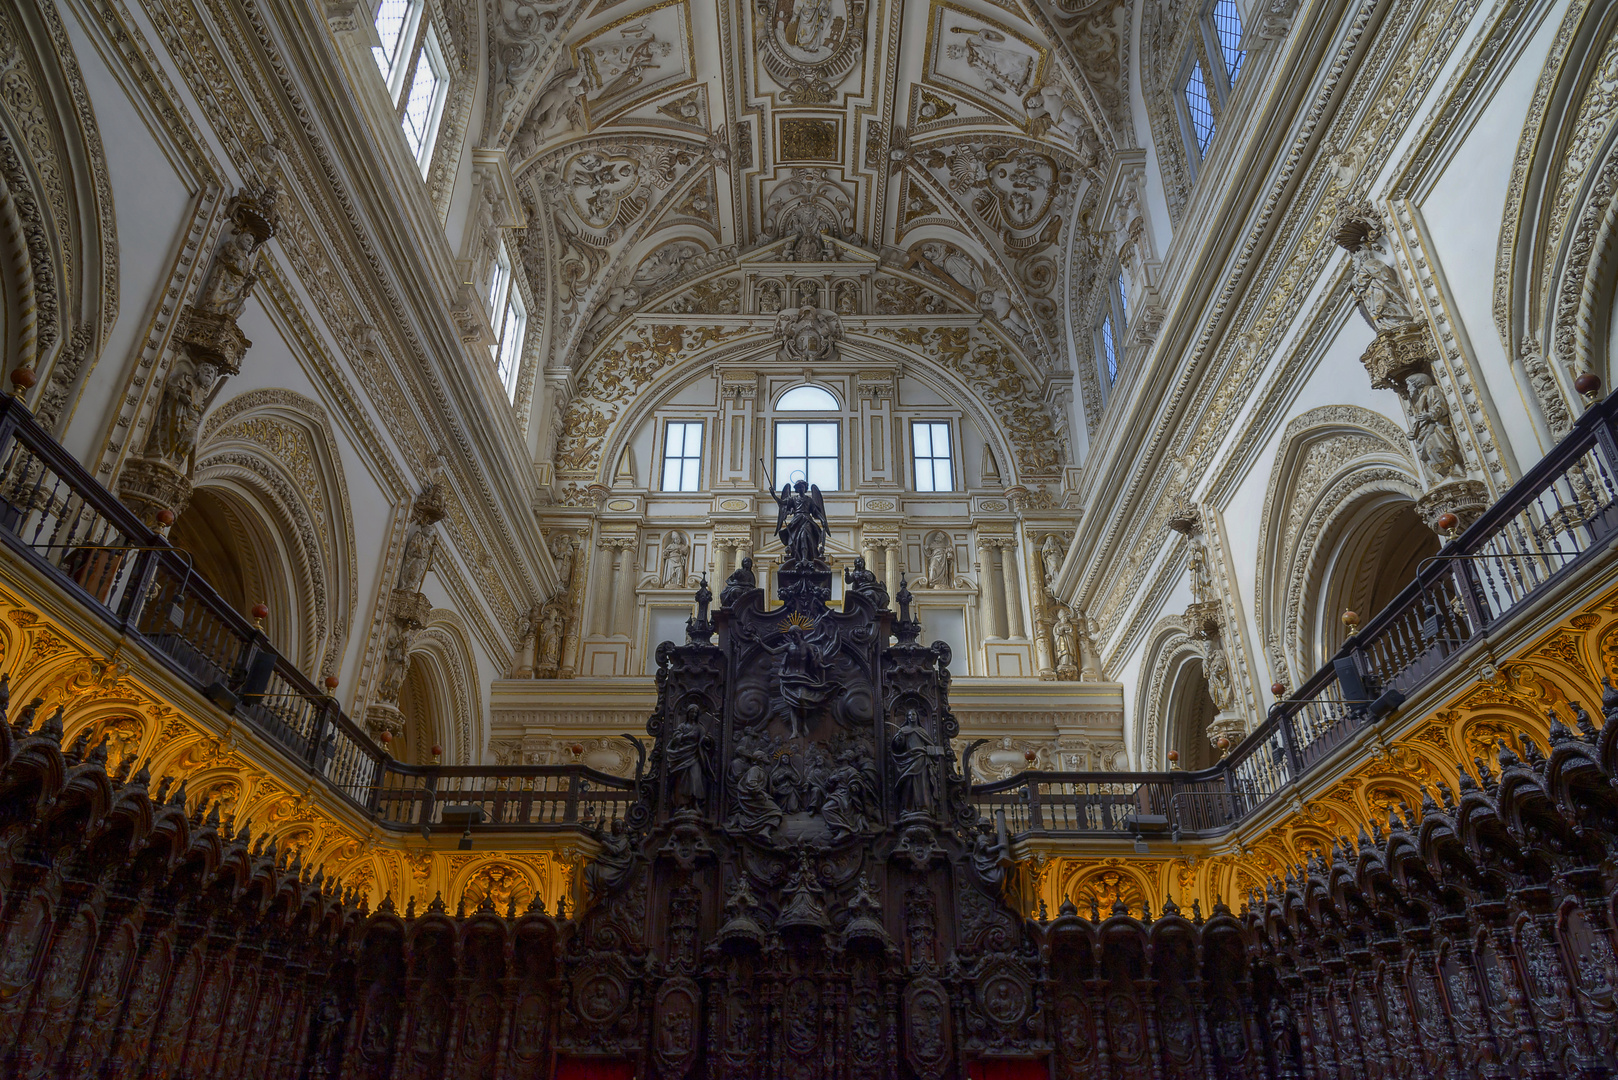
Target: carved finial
(1196,911)
(561,907)
(52,727)
(25,719)
(1586,726)
(386,906)
(1043,915)
(410,908)
(437,907)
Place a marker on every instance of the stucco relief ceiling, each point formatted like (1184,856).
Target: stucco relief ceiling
(666,152)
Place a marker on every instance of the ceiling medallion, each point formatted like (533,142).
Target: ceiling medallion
(809,46)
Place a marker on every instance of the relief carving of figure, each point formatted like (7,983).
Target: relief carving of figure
(755,812)
(915,754)
(1430,427)
(689,754)
(612,863)
(395,661)
(851,797)
(676,560)
(769,298)
(804,680)
(990,855)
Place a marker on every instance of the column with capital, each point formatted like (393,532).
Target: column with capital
(988,601)
(891,580)
(722,568)
(869,548)
(623,587)
(1008,571)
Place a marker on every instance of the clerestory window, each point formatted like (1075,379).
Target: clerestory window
(413,69)
(1213,60)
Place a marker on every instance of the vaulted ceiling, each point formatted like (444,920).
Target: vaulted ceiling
(954,147)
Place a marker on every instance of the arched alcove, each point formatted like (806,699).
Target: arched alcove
(1376,554)
(1338,530)
(234,549)
(1188,711)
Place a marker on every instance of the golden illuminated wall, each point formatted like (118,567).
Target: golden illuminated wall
(1561,668)
(109,692)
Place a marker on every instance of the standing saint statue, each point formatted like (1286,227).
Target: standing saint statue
(688,751)
(914,752)
(800,521)
(1431,431)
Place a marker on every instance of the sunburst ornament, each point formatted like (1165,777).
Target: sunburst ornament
(800,620)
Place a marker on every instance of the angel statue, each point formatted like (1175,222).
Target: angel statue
(800,521)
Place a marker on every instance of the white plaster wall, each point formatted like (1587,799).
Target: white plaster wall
(152,204)
(1463,214)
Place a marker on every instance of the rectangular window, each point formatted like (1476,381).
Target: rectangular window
(499,279)
(930,450)
(1123,299)
(682,456)
(1109,350)
(425,101)
(1228,25)
(805,451)
(1198,107)
(508,351)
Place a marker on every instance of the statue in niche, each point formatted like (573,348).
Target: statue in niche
(1089,655)
(1050,555)
(1431,431)
(179,412)
(418,556)
(395,661)
(769,298)
(676,560)
(689,750)
(755,812)
(1380,293)
(805,682)
(551,631)
(1216,669)
(939,554)
(613,863)
(847,298)
(915,752)
(800,521)
(1065,637)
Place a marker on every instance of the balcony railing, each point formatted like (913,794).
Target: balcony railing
(55,516)
(1562,514)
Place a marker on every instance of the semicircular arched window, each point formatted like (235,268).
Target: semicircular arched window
(807,399)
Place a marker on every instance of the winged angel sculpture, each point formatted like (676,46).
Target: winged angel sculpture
(800,521)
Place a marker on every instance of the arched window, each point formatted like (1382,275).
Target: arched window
(807,399)
(808,449)
(1110,327)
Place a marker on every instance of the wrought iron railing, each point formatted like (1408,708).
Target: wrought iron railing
(53,514)
(1562,514)
(57,518)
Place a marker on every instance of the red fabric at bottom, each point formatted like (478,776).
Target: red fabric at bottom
(1009,1070)
(593,1069)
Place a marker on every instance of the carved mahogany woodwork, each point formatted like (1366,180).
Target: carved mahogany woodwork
(803,890)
